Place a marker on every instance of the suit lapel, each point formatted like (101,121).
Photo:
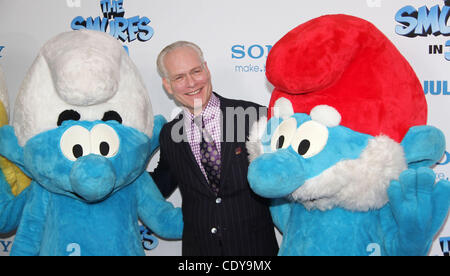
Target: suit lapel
(226,147)
(191,160)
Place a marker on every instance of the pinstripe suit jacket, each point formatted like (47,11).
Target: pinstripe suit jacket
(236,222)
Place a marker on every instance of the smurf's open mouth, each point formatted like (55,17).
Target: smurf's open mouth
(316,199)
(78,196)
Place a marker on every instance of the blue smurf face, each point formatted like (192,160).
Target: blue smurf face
(87,160)
(315,145)
(299,148)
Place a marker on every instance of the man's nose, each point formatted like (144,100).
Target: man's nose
(190,80)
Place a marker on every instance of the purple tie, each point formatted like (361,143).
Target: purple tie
(210,156)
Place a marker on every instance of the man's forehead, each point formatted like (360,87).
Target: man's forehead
(181,56)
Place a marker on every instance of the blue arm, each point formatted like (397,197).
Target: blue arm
(159,122)
(11,207)
(155,212)
(10,148)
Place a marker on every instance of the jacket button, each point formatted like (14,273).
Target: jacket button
(214,230)
(218,200)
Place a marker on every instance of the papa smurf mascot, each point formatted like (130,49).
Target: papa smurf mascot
(84,131)
(345,153)
(12,180)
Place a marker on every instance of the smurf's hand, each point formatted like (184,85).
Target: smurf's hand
(159,122)
(419,208)
(157,213)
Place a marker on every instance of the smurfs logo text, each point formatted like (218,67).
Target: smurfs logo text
(426,21)
(5,246)
(445,245)
(113,21)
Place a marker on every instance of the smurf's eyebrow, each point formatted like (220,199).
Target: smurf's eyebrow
(68,115)
(112,115)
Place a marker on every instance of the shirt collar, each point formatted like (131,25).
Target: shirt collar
(208,113)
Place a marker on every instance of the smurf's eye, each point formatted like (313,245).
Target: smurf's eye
(104,140)
(75,142)
(310,139)
(283,134)
(77,150)
(280,142)
(303,147)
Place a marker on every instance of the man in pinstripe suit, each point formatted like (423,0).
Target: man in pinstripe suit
(222,216)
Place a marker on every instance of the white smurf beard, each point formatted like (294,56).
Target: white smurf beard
(358,185)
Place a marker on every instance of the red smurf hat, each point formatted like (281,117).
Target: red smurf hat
(347,63)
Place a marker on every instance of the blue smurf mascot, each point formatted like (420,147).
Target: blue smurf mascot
(84,131)
(346,152)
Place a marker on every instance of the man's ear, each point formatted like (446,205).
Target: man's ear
(206,68)
(158,123)
(167,86)
(424,146)
(10,148)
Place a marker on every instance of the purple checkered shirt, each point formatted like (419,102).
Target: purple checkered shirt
(211,119)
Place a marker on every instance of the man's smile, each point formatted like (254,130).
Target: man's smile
(194,92)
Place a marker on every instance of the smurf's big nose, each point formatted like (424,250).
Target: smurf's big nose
(274,175)
(92,178)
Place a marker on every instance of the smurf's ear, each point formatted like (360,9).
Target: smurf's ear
(283,108)
(424,146)
(326,115)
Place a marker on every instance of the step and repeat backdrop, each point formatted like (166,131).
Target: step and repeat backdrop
(236,36)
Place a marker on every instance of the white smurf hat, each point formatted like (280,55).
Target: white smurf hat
(88,72)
